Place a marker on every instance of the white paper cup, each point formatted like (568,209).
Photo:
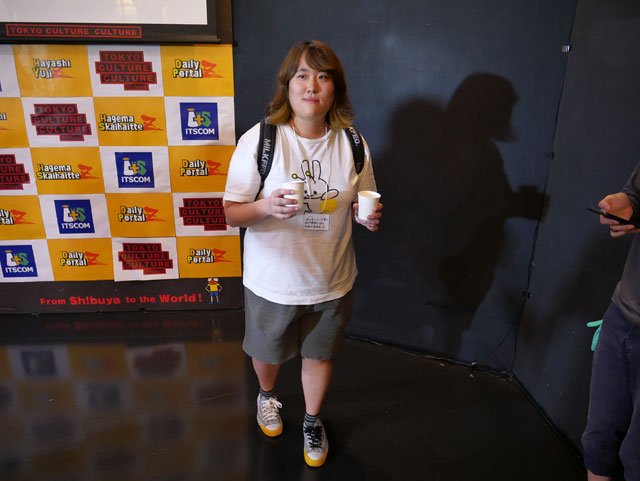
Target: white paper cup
(367,202)
(298,186)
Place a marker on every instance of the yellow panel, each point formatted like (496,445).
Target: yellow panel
(197,70)
(200,169)
(52,70)
(20,218)
(141,215)
(81,259)
(13,132)
(204,257)
(130,120)
(73,170)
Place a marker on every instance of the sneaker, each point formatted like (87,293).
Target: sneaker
(268,416)
(316,446)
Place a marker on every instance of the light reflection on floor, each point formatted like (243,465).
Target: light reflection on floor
(160,409)
(171,397)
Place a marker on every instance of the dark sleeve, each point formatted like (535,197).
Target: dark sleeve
(632,189)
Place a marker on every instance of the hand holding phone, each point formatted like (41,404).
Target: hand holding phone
(611,216)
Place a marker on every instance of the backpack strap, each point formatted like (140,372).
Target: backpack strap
(357,146)
(266,146)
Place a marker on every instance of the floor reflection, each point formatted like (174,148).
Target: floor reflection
(171,397)
(160,410)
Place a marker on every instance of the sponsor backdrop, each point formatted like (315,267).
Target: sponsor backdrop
(113,161)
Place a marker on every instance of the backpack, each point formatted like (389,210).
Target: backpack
(267,142)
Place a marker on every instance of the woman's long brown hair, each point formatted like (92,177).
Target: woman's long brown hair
(319,56)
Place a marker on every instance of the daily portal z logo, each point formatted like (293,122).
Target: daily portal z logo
(18,261)
(135,169)
(199,121)
(74,216)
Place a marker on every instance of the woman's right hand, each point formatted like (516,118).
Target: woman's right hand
(278,204)
(246,214)
(620,205)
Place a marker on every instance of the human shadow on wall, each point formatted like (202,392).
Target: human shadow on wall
(447,198)
(480,197)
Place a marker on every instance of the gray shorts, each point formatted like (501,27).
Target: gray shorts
(275,333)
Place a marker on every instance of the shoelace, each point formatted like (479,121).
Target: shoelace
(315,436)
(269,409)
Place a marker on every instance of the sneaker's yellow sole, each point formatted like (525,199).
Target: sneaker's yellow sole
(272,433)
(315,463)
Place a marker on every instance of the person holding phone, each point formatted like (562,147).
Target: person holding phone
(299,262)
(611,439)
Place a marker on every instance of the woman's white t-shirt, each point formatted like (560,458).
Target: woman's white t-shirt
(309,258)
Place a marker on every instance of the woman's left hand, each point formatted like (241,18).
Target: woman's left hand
(373,220)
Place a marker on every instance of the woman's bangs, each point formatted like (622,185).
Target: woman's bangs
(317,60)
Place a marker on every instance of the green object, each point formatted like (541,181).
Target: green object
(596,335)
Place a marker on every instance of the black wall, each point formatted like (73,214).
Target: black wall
(459,102)
(577,265)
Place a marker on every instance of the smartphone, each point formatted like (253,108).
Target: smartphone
(610,216)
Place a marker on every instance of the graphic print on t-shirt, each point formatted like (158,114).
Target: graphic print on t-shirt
(318,196)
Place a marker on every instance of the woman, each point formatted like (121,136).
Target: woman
(299,263)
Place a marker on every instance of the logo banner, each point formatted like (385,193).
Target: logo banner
(200,169)
(130,121)
(200,120)
(136,169)
(52,70)
(25,261)
(75,216)
(60,122)
(81,259)
(141,215)
(200,214)
(21,218)
(125,71)
(144,259)
(68,171)
(209,257)
(198,70)
(16,172)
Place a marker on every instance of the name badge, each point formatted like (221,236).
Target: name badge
(317,221)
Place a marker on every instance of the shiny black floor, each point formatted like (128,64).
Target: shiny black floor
(171,397)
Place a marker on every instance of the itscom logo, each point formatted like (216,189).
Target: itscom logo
(18,261)
(199,121)
(135,169)
(74,216)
